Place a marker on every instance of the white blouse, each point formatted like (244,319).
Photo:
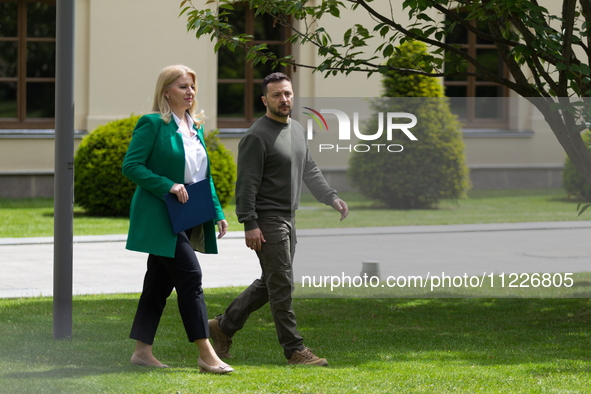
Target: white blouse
(195,156)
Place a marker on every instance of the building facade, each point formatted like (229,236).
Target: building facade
(121,45)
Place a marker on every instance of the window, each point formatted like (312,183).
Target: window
(475,100)
(27,63)
(239,83)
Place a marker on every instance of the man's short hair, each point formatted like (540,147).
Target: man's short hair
(275,77)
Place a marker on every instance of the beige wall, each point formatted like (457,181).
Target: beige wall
(28,155)
(541,148)
(131,41)
(356,84)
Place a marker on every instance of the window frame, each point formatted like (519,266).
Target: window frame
(471,84)
(249,80)
(22,121)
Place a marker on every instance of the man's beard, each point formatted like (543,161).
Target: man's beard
(278,113)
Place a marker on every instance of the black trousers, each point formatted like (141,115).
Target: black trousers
(164,274)
(275,286)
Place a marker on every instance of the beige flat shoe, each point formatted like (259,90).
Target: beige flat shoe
(204,368)
(135,360)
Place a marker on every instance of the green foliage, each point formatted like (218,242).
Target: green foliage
(528,32)
(572,180)
(427,170)
(223,168)
(99,186)
(396,84)
(546,55)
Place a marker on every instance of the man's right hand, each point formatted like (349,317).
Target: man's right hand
(254,239)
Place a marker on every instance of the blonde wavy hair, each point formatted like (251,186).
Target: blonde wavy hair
(167,76)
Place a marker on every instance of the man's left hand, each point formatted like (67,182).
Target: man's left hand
(342,207)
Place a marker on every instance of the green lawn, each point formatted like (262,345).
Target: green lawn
(34,217)
(481,206)
(372,345)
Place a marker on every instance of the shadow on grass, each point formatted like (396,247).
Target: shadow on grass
(378,206)
(84,214)
(564,200)
(76,214)
(348,332)
(75,372)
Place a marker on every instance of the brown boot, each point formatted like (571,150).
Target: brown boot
(306,357)
(221,342)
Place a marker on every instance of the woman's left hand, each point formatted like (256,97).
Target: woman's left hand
(222,227)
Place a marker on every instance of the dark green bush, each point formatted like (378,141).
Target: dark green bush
(223,168)
(572,180)
(99,186)
(427,170)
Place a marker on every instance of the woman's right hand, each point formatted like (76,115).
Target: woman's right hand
(180,191)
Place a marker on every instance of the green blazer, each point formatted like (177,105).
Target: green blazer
(155,160)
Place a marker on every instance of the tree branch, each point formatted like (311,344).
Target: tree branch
(485,72)
(568,17)
(467,25)
(529,38)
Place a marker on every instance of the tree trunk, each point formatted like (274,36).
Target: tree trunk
(571,141)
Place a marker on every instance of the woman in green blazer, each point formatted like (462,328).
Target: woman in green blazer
(166,152)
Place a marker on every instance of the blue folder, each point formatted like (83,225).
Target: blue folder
(197,210)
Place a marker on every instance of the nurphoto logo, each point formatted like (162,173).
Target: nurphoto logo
(344,130)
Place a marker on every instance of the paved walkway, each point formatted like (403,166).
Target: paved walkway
(102,265)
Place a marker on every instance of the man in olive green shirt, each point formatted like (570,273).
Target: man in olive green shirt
(273,161)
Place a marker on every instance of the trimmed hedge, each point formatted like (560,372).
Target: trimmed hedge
(427,170)
(102,190)
(223,168)
(99,186)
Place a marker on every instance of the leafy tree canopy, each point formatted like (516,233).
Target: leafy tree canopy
(547,55)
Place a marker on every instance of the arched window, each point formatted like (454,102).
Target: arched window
(27,63)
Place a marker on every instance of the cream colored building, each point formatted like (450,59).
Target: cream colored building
(121,45)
